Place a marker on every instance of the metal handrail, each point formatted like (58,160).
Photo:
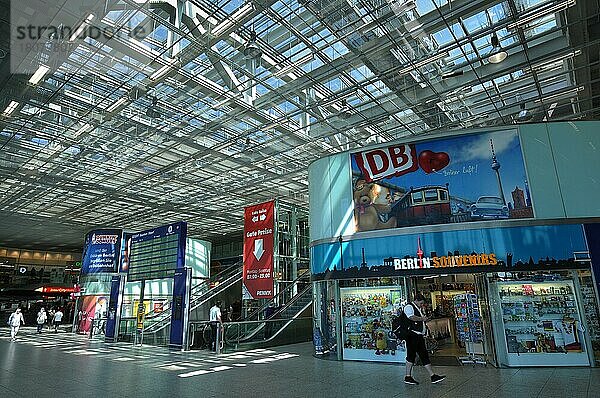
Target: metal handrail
(250,333)
(166,318)
(256,312)
(197,301)
(240,336)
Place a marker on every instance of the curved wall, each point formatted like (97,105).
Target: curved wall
(561,162)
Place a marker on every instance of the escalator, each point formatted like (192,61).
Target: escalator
(292,323)
(157,324)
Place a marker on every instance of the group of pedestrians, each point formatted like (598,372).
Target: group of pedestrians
(51,319)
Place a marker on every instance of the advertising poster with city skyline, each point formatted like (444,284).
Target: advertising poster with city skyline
(466,178)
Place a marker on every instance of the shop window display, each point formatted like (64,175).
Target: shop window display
(541,319)
(590,309)
(367,320)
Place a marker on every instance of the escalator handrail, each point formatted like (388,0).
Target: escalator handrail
(231,269)
(198,301)
(261,324)
(261,309)
(293,300)
(166,315)
(274,318)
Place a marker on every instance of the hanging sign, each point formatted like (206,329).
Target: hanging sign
(259,226)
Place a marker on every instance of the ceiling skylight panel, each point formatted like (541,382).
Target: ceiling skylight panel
(443,37)
(541,25)
(483,45)
(476,22)
(498,12)
(425,6)
(312,65)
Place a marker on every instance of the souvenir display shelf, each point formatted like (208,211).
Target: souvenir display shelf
(469,328)
(366,323)
(541,319)
(590,309)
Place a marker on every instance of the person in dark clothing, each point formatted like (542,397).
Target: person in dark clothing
(269,312)
(215,323)
(415,341)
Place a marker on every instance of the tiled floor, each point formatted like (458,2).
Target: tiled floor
(66,365)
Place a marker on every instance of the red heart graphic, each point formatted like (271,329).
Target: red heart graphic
(433,161)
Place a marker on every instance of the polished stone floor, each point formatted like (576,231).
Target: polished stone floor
(67,365)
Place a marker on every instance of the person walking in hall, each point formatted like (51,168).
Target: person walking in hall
(50,318)
(415,340)
(58,316)
(41,319)
(215,323)
(14,321)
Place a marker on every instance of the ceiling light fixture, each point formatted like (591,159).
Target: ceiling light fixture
(39,74)
(252,50)
(86,127)
(524,114)
(497,54)
(541,12)
(81,27)
(10,108)
(455,73)
(116,104)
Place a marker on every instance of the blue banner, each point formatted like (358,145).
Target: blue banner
(477,250)
(113,308)
(101,251)
(179,308)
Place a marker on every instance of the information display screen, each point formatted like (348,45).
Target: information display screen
(156,253)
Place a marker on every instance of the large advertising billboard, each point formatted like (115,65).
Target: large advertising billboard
(452,180)
(259,226)
(101,251)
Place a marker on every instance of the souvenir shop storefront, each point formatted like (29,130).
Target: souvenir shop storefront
(481,224)
(483,309)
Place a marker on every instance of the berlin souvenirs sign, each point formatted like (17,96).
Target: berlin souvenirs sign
(259,225)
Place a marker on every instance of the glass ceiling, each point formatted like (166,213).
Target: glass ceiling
(182,124)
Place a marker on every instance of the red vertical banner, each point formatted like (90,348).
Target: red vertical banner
(259,242)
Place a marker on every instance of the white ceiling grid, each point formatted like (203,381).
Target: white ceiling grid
(180,125)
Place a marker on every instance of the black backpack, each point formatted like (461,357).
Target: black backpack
(401,326)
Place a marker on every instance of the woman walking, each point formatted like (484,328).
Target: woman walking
(15,320)
(41,320)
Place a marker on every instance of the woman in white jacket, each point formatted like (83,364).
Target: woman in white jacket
(15,320)
(41,319)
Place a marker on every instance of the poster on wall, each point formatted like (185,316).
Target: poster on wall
(101,251)
(452,180)
(259,226)
(92,308)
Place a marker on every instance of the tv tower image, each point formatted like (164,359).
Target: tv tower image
(496,168)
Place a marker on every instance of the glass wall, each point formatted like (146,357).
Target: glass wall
(538,319)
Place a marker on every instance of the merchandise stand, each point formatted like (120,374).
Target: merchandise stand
(469,327)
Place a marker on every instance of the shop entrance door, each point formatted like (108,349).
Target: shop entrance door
(459,325)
